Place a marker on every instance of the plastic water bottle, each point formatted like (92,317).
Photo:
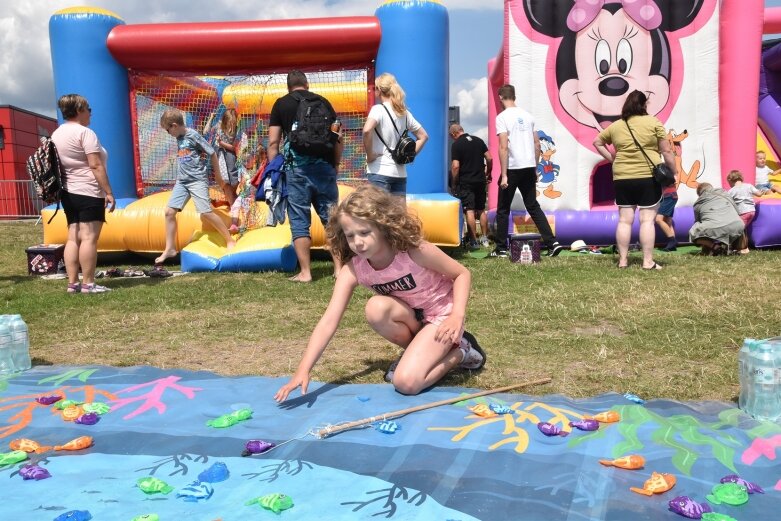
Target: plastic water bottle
(6,360)
(765,404)
(20,348)
(526,254)
(744,373)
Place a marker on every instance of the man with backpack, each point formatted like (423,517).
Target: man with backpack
(312,152)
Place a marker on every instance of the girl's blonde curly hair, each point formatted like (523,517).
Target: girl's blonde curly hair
(387,212)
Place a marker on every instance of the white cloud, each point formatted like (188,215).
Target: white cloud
(472,97)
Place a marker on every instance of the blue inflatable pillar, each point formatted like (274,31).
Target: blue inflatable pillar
(82,65)
(414,48)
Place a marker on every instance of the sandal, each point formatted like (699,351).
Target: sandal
(158,272)
(654,267)
(74,288)
(94,288)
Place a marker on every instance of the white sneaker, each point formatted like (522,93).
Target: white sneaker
(391,369)
(473,355)
(484,241)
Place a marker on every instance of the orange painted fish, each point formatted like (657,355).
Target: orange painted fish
(27,446)
(656,484)
(606,417)
(69,414)
(632,462)
(82,442)
(483,410)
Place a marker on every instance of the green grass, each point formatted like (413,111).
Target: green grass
(673,333)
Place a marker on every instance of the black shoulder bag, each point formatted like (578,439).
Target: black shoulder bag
(662,173)
(404,151)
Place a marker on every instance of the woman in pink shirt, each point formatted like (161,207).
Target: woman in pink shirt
(421,293)
(86,191)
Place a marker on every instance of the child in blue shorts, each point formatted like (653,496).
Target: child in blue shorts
(664,216)
(192,181)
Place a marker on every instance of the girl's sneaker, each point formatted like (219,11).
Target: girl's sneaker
(74,288)
(94,288)
(474,356)
(391,370)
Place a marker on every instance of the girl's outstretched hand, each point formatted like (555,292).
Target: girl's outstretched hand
(296,381)
(450,330)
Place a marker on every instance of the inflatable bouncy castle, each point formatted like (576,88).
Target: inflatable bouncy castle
(572,63)
(132,73)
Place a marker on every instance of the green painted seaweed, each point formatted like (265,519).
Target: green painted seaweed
(58,379)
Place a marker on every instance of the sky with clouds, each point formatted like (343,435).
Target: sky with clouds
(25,63)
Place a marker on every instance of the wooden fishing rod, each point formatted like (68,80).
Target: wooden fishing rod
(336,429)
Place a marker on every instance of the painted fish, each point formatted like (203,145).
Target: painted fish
(35,472)
(656,484)
(687,507)
(728,494)
(500,409)
(82,442)
(147,517)
(195,492)
(274,502)
(152,485)
(96,407)
(586,424)
(12,458)
(388,427)
(713,516)
(548,429)
(634,398)
(74,515)
(631,462)
(752,488)
(214,474)
(89,418)
(62,404)
(607,417)
(27,445)
(482,410)
(231,419)
(70,414)
(256,447)
(49,399)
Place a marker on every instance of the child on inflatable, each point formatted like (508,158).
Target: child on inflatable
(421,293)
(763,174)
(226,153)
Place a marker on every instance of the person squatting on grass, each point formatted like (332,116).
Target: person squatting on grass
(191,181)
(421,293)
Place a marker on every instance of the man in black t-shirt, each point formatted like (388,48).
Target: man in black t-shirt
(310,180)
(470,171)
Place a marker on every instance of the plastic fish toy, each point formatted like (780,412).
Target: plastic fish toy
(656,484)
(214,474)
(74,515)
(728,494)
(82,442)
(687,507)
(256,447)
(634,398)
(147,517)
(151,485)
(586,424)
(231,419)
(89,418)
(49,399)
(500,409)
(195,492)
(632,462)
(752,488)
(35,472)
(482,410)
(274,502)
(388,427)
(27,445)
(96,407)
(62,404)
(548,429)
(70,414)
(607,417)
(12,458)
(713,516)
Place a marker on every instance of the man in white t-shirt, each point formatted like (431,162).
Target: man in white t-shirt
(519,153)
(762,181)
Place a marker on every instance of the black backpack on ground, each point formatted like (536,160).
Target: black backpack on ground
(46,171)
(311,132)
(404,151)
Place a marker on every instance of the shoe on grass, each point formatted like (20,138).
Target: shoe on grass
(555,249)
(94,288)
(498,252)
(473,355)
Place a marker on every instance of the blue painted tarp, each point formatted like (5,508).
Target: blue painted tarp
(446,463)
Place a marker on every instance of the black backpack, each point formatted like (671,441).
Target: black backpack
(404,151)
(46,171)
(311,132)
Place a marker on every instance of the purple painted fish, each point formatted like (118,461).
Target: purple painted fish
(585,425)
(34,472)
(256,447)
(751,487)
(548,429)
(89,418)
(687,507)
(48,400)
